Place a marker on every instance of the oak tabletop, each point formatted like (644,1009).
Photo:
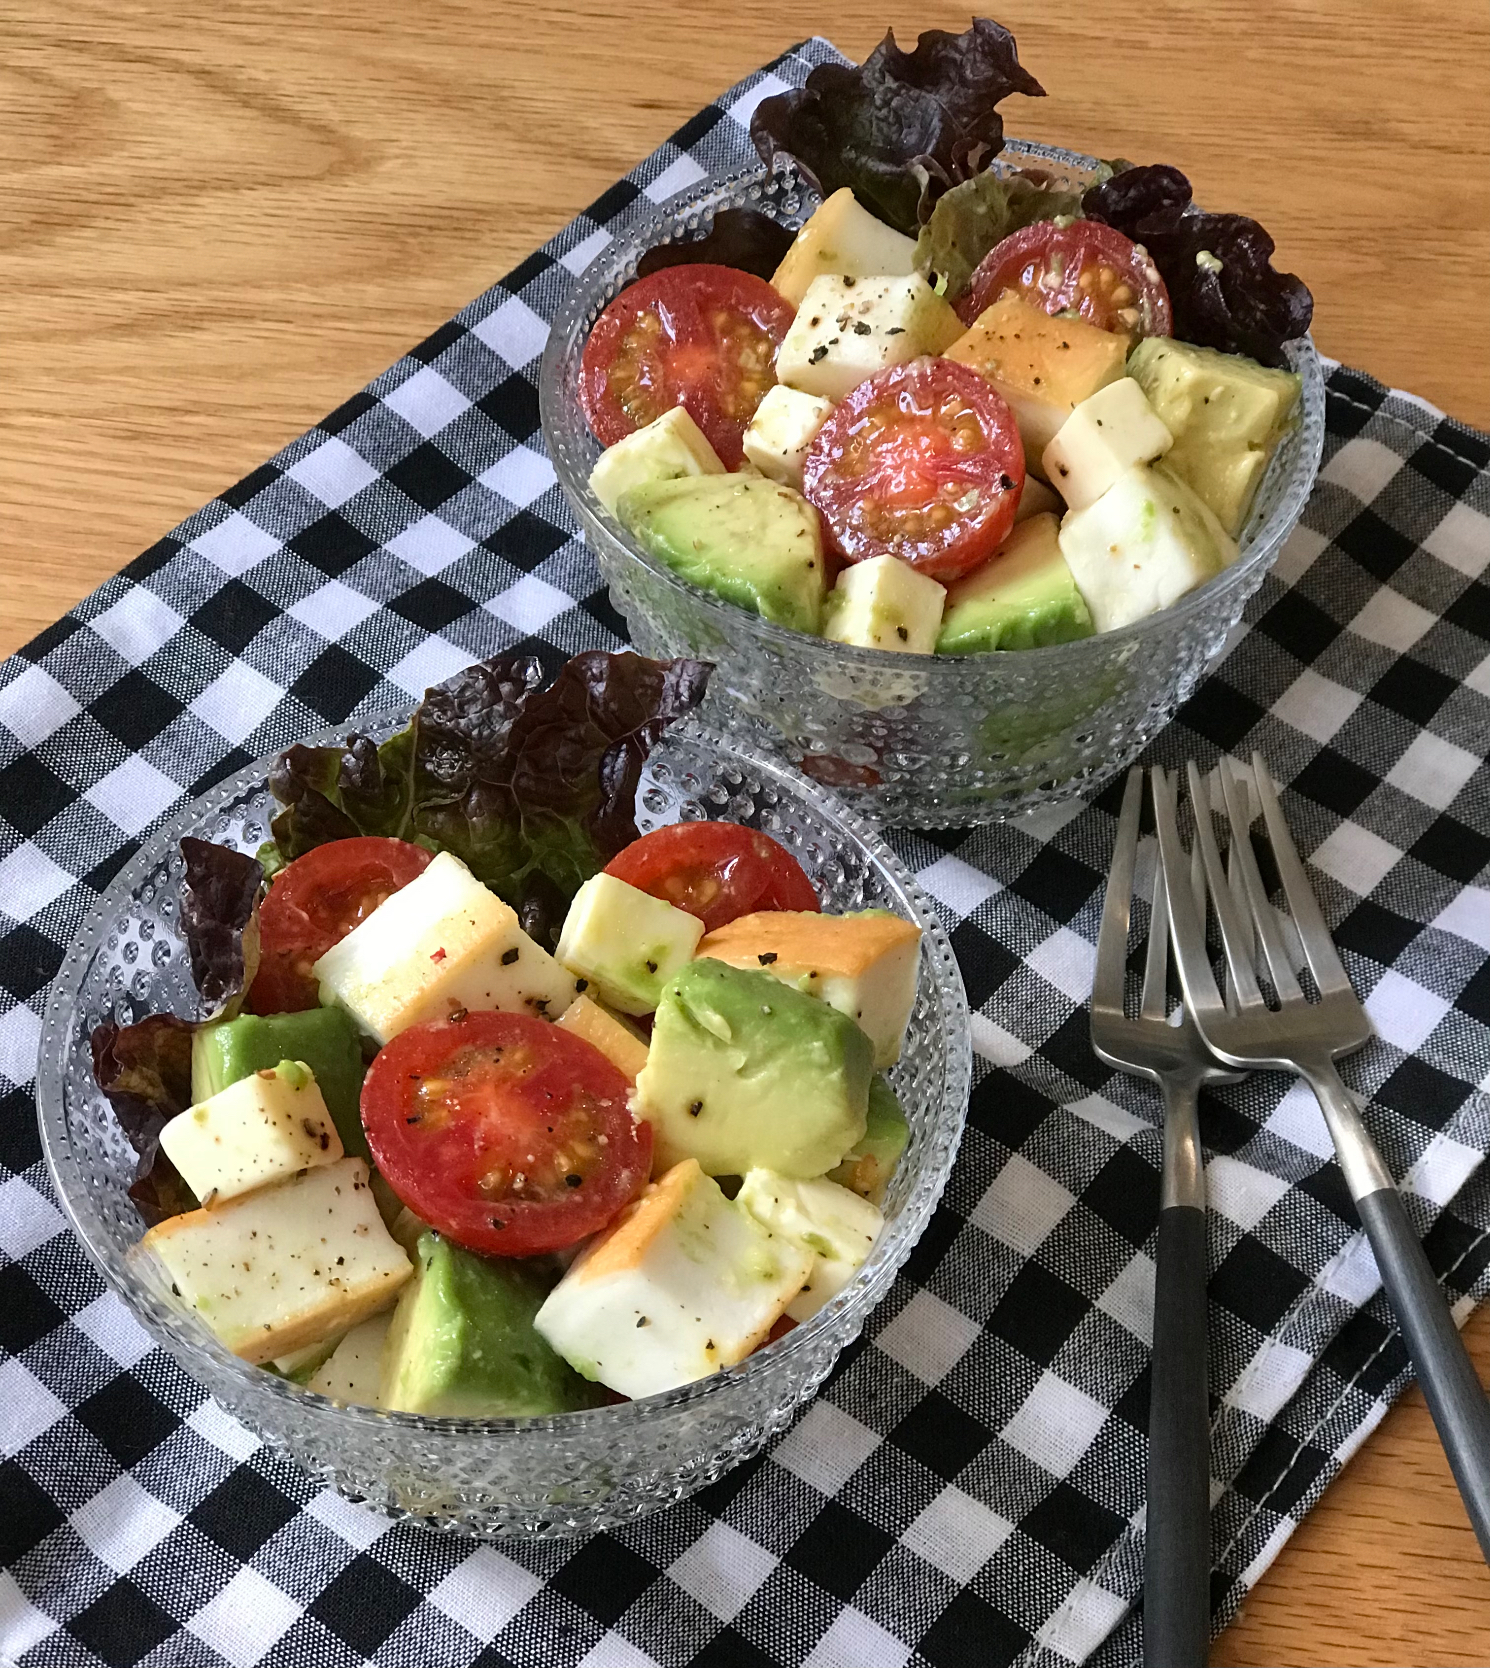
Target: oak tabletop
(218,220)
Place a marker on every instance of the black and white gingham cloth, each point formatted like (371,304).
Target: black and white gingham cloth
(968,1488)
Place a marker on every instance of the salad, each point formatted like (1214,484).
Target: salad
(499,1109)
(968,406)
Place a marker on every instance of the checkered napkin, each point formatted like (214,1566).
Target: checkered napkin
(968,1489)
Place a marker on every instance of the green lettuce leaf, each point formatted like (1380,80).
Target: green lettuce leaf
(903,127)
(145,1072)
(968,221)
(531,788)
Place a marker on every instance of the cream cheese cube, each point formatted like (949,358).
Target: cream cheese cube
(865,964)
(284,1266)
(777,438)
(840,236)
(261,1129)
(682,1284)
(1146,542)
(666,449)
(442,944)
(625,942)
(847,329)
(885,604)
(1108,433)
(837,1226)
(353,1372)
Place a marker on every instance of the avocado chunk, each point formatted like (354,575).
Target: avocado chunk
(749,540)
(462,1340)
(1023,597)
(322,1038)
(870,1163)
(746,1073)
(1228,414)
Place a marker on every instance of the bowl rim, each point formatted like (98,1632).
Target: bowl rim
(179,1332)
(645,231)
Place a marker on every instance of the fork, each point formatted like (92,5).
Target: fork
(1177,1554)
(1307,1037)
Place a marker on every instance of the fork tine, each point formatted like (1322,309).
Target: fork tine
(1264,919)
(1156,957)
(1187,929)
(1113,930)
(1237,938)
(1315,938)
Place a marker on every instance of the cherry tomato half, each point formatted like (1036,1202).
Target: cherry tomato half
(703,337)
(315,903)
(924,462)
(509,1135)
(1085,268)
(715,870)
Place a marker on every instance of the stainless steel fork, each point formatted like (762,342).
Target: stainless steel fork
(1307,1037)
(1177,1555)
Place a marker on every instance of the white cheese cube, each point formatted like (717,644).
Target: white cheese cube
(625,942)
(777,438)
(279,1268)
(885,604)
(441,944)
(353,1372)
(840,236)
(682,1284)
(1146,542)
(299,1364)
(837,1226)
(260,1129)
(667,449)
(865,965)
(848,328)
(1108,433)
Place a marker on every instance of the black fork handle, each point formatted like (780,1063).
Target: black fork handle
(1441,1362)
(1177,1547)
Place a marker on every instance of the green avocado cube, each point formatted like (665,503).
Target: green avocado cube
(1227,412)
(747,539)
(462,1340)
(323,1038)
(747,1073)
(870,1163)
(1023,597)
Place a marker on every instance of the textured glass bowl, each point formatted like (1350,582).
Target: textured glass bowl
(913,740)
(555,1476)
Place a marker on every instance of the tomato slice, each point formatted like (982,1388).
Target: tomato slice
(715,870)
(703,337)
(924,462)
(1085,268)
(507,1134)
(314,904)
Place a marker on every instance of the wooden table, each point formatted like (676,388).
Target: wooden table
(220,219)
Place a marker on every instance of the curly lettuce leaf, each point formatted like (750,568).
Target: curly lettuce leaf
(531,788)
(743,238)
(1218,268)
(968,221)
(220,922)
(145,1072)
(903,127)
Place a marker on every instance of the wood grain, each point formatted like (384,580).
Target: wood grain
(217,220)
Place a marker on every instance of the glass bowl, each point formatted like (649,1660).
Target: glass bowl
(913,740)
(496,1477)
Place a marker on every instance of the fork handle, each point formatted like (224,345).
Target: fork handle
(1177,1546)
(1440,1360)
